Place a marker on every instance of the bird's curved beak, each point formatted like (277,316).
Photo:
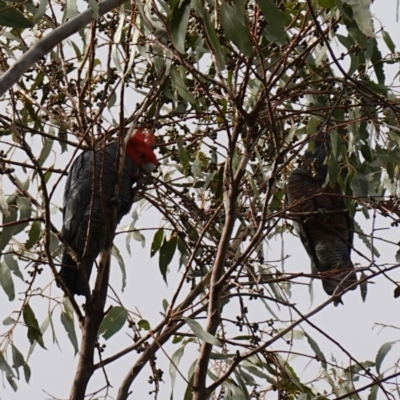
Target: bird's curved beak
(148,167)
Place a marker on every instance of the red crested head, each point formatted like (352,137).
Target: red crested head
(139,151)
(144,135)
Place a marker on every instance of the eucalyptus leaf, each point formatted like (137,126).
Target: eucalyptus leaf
(12,264)
(362,15)
(13,18)
(275,19)
(167,252)
(69,326)
(183,154)
(317,350)
(157,242)
(5,367)
(382,353)
(116,253)
(233,22)
(143,324)
(18,359)
(178,24)
(214,43)
(388,40)
(175,359)
(34,332)
(113,322)
(201,333)
(34,234)
(6,281)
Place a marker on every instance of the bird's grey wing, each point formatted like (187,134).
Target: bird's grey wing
(300,189)
(77,195)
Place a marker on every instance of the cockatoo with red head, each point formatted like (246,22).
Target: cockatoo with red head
(89,201)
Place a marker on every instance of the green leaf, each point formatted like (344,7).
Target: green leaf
(12,382)
(113,322)
(167,252)
(3,201)
(27,372)
(362,15)
(201,333)
(49,321)
(389,42)
(233,22)
(176,357)
(248,379)
(157,241)
(243,337)
(6,281)
(34,234)
(54,242)
(7,233)
(46,149)
(94,5)
(213,41)
(115,252)
(333,171)
(376,60)
(317,350)
(374,390)
(365,239)
(63,135)
(69,326)
(25,211)
(219,356)
(40,11)
(350,372)
(43,328)
(18,359)
(139,237)
(183,155)
(5,367)
(380,356)
(165,305)
(359,185)
(189,388)
(67,319)
(363,287)
(234,392)
(352,27)
(178,24)
(13,18)
(377,87)
(275,19)
(255,371)
(179,82)
(12,264)
(34,333)
(143,324)
(327,3)
(9,321)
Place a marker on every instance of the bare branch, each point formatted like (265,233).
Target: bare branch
(45,45)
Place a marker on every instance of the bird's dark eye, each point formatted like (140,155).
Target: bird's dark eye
(142,156)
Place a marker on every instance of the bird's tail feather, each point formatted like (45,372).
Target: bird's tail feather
(71,276)
(343,279)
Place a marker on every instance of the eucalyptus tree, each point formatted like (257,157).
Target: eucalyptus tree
(236,92)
